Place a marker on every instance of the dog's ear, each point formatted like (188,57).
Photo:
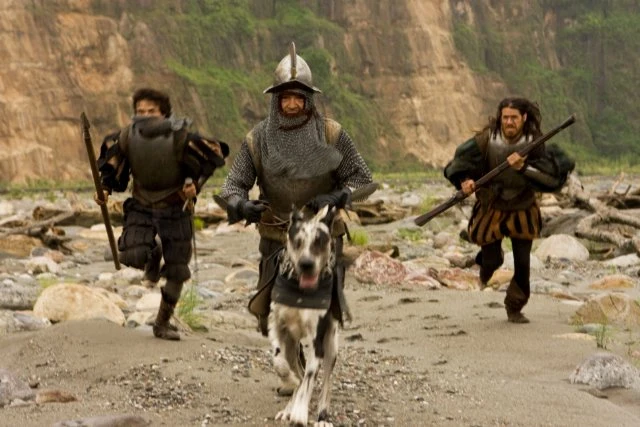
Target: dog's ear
(295,216)
(329,216)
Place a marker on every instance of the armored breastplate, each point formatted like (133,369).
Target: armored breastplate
(510,183)
(154,165)
(282,193)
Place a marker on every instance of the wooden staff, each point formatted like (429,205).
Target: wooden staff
(86,136)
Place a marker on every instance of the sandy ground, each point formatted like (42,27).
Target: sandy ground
(410,357)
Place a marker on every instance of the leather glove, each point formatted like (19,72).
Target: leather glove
(339,198)
(250,210)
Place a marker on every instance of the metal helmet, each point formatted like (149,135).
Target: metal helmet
(292,71)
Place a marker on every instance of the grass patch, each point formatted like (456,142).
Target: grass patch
(428,203)
(187,306)
(198,223)
(603,336)
(47,281)
(411,234)
(359,237)
(43,185)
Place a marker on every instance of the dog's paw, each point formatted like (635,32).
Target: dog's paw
(283,416)
(322,424)
(299,418)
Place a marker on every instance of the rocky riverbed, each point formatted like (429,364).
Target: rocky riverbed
(425,345)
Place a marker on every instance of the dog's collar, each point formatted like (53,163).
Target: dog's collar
(287,292)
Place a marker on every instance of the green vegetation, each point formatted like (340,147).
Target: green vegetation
(226,51)
(590,71)
(571,57)
(428,203)
(359,237)
(46,281)
(187,306)
(411,234)
(198,224)
(603,336)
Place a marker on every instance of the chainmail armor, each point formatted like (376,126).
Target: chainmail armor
(351,171)
(290,147)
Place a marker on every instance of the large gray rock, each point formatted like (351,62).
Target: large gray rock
(562,246)
(42,264)
(623,261)
(15,321)
(535,263)
(106,421)
(606,370)
(18,296)
(149,302)
(69,301)
(12,388)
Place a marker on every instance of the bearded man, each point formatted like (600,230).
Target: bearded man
(169,166)
(297,157)
(507,207)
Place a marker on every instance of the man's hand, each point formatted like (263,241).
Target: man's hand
(340,198)
(468,186)
(189,190)
(516,161)
(251,210)
(100,202)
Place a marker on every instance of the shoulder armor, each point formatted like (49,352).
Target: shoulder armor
(332,131)
(253,152)
(123,140)
(482,139)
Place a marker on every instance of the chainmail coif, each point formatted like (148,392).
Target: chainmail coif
(295,147)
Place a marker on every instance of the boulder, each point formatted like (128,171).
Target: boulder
(69,301)
(562,246)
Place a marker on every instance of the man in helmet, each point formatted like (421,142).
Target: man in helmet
(169,167)
(508,206)
(297,157)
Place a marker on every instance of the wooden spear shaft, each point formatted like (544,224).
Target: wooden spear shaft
(86,136)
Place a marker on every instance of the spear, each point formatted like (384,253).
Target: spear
(86,136)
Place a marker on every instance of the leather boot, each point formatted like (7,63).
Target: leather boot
(162,328)
(514,302)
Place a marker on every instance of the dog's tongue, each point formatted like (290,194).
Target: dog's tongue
(308,281)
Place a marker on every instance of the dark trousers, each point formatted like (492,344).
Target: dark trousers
(138,247)
(519,289)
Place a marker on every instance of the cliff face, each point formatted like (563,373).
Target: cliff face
(53,68)
(411,69)
(409,79)
(64,56)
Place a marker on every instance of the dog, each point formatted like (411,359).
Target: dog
(296,322)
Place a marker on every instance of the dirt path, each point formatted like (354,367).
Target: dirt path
(410,357)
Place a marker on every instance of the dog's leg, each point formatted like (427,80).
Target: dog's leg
(330,346)
(284,349)
(318,333)
(302,395)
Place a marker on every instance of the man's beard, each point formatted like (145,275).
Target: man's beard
(511,134)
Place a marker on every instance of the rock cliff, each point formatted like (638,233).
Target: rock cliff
(409,79)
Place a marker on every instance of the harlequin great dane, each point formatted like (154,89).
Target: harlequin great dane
(301,316)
